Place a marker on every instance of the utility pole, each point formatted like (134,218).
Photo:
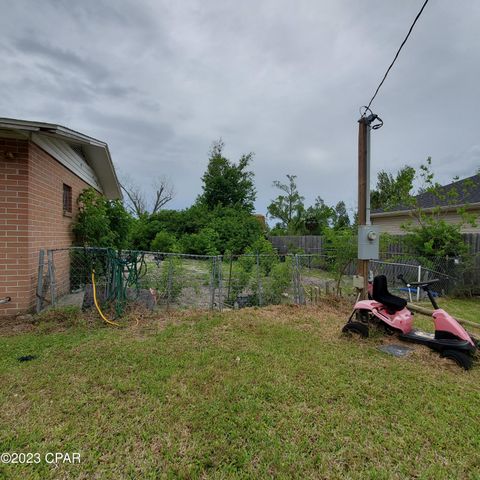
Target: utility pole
(367,235)
(363,186)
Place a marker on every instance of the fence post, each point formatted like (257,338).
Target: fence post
(41,259)
(419,279)
(212,282)
(298,287)
(294,280)
(51,275)
(229,280)
(259,285)
(220,284)
(169,281)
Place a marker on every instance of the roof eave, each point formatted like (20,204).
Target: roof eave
(444,208)
(67,133)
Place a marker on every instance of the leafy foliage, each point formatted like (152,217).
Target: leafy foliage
(278,282)
(339,217)
(430,235)
(288,207)
(393,191)
(341,248)
(318,217)
(227,184)
(236,229)
(205,242)
(435,237)
(164,242)
(101,222)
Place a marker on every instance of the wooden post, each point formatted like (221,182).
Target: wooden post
(51,275)
(41,260)
(428,312)
(363,189)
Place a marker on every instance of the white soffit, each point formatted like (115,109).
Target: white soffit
(61,151)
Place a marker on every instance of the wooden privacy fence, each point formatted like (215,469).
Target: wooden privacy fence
(314,243)
(308,243)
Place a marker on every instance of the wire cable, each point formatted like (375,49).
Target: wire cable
(398,52)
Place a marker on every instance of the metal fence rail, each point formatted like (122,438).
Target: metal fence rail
(168,280)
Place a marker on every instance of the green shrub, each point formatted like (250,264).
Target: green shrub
(170,275)
(268,256)
(205,242)
(101,222)
(164,242)
(238,281)
(278,283)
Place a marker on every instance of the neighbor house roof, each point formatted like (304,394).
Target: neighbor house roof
(93,151)
(464,192)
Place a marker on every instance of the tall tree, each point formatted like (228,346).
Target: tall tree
(228,184)
(430,234)
(288,207)
(393,191)
(339,217)
(137,198)
(318,217)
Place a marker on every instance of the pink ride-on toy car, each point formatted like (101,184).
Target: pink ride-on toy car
(450,339)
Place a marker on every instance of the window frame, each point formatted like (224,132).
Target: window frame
(67,204)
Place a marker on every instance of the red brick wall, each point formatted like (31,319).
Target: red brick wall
(31,209)
(14,253)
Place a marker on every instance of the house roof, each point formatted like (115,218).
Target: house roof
(96,152)
(464,192)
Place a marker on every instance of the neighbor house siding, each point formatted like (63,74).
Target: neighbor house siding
(393,223)
(32,218)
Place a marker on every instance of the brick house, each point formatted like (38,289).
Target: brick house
(43,169)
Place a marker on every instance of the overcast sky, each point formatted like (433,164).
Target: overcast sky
(160,80)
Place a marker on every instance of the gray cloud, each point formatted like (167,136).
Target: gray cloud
(159,81)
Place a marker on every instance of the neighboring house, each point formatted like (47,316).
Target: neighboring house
(462,194)
(43,169)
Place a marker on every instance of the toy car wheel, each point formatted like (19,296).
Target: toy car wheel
(461,359)
(356,328)
(389,330)
(362,316)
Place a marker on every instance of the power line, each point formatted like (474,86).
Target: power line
(398,52)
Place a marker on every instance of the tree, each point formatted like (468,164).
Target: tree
(318,217)
(339,217)
(101,222)
(393,191)
(236,229)
(164,242)
(228,184)
(137,197)
(341,250)
(288,207)
(431,235)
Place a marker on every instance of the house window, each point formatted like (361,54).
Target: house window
(67,200)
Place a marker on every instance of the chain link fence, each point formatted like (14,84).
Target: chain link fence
(167,280)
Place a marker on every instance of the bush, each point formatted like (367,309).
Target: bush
(435,238)
(204,242)
(236,229)
(164,242)
(170,275)
(268,255)
(101,222)
(278,283)
(238,281)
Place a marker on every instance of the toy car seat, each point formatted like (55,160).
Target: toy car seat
(382,295)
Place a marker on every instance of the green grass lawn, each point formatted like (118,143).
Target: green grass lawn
(255,393)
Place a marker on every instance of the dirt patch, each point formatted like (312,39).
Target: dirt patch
(15,325)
